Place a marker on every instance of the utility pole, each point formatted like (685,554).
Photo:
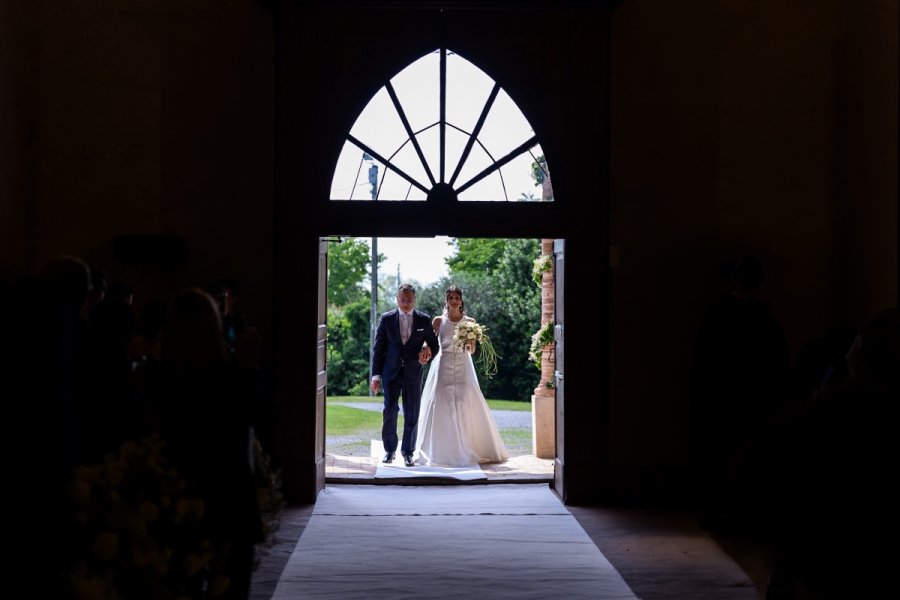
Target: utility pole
(373,310)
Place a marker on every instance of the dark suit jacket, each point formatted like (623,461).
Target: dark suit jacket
(389,353)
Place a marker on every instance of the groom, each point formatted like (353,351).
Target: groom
(404,342)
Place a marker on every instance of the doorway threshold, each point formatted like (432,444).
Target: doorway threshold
(361,470)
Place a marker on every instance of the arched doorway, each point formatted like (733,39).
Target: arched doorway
(326,69)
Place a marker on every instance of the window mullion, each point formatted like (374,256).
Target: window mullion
(516,152)
(474,135)
(387,163)
(409,131)
(443,112)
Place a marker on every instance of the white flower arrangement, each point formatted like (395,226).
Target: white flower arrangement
(467,334)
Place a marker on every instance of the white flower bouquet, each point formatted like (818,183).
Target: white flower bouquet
(469,333)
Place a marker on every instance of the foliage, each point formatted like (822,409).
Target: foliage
(539,340)
(348,348)
(539,170)
(499,293)
(542,264)
(476,256)
(348,264)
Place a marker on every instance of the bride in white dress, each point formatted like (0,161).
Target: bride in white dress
(455,427)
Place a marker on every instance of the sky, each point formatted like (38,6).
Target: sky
(421,259)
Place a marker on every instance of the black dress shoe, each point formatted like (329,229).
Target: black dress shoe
(388,458)
(408,459)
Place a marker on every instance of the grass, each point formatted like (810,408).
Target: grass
(345,420)
(349,430)
(493,404)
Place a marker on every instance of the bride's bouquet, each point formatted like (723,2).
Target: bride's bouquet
(469,331)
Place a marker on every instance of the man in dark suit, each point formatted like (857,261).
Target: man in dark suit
(404,342)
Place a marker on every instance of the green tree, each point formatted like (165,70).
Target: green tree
(475,256)
(348,349)
(348,264)
(496,278)
(348,317)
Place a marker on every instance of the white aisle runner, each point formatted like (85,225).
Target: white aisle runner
(398,469)
(486,542)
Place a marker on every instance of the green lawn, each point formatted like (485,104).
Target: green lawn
(345,420)
(349,430)
(493,404)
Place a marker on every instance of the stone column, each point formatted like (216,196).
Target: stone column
(543,402)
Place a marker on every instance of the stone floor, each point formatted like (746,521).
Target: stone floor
(662,555)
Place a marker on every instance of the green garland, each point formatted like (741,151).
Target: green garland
(542,264)
(539,340)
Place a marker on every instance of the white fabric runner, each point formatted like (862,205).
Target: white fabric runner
(398,469)
(461,473)
(499,541)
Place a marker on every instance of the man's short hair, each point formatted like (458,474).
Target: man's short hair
(406,287)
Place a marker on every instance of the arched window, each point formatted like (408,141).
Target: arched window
(441,129)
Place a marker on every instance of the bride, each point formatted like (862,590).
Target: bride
(455,426)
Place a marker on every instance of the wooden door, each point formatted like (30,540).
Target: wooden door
(321,352)
(560,382)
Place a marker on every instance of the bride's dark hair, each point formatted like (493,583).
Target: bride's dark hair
(455,289)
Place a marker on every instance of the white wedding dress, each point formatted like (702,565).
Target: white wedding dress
(456,427)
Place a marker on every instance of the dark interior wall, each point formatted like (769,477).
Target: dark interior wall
(736,127)
(15,102)
(144,118)
(763,128)
(871,82)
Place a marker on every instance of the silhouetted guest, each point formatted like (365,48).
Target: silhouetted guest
(60,335)
(121,291)
(97,290)
(43,343)
(219,294)
(739,379)
(143,353)
(836,498)
(145,343)
(106,399)
(233,322)
(838,342)
(206,407)
(244,344)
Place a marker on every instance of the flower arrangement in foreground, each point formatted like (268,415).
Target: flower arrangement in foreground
(268,492)
(469,331)
(136,529)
